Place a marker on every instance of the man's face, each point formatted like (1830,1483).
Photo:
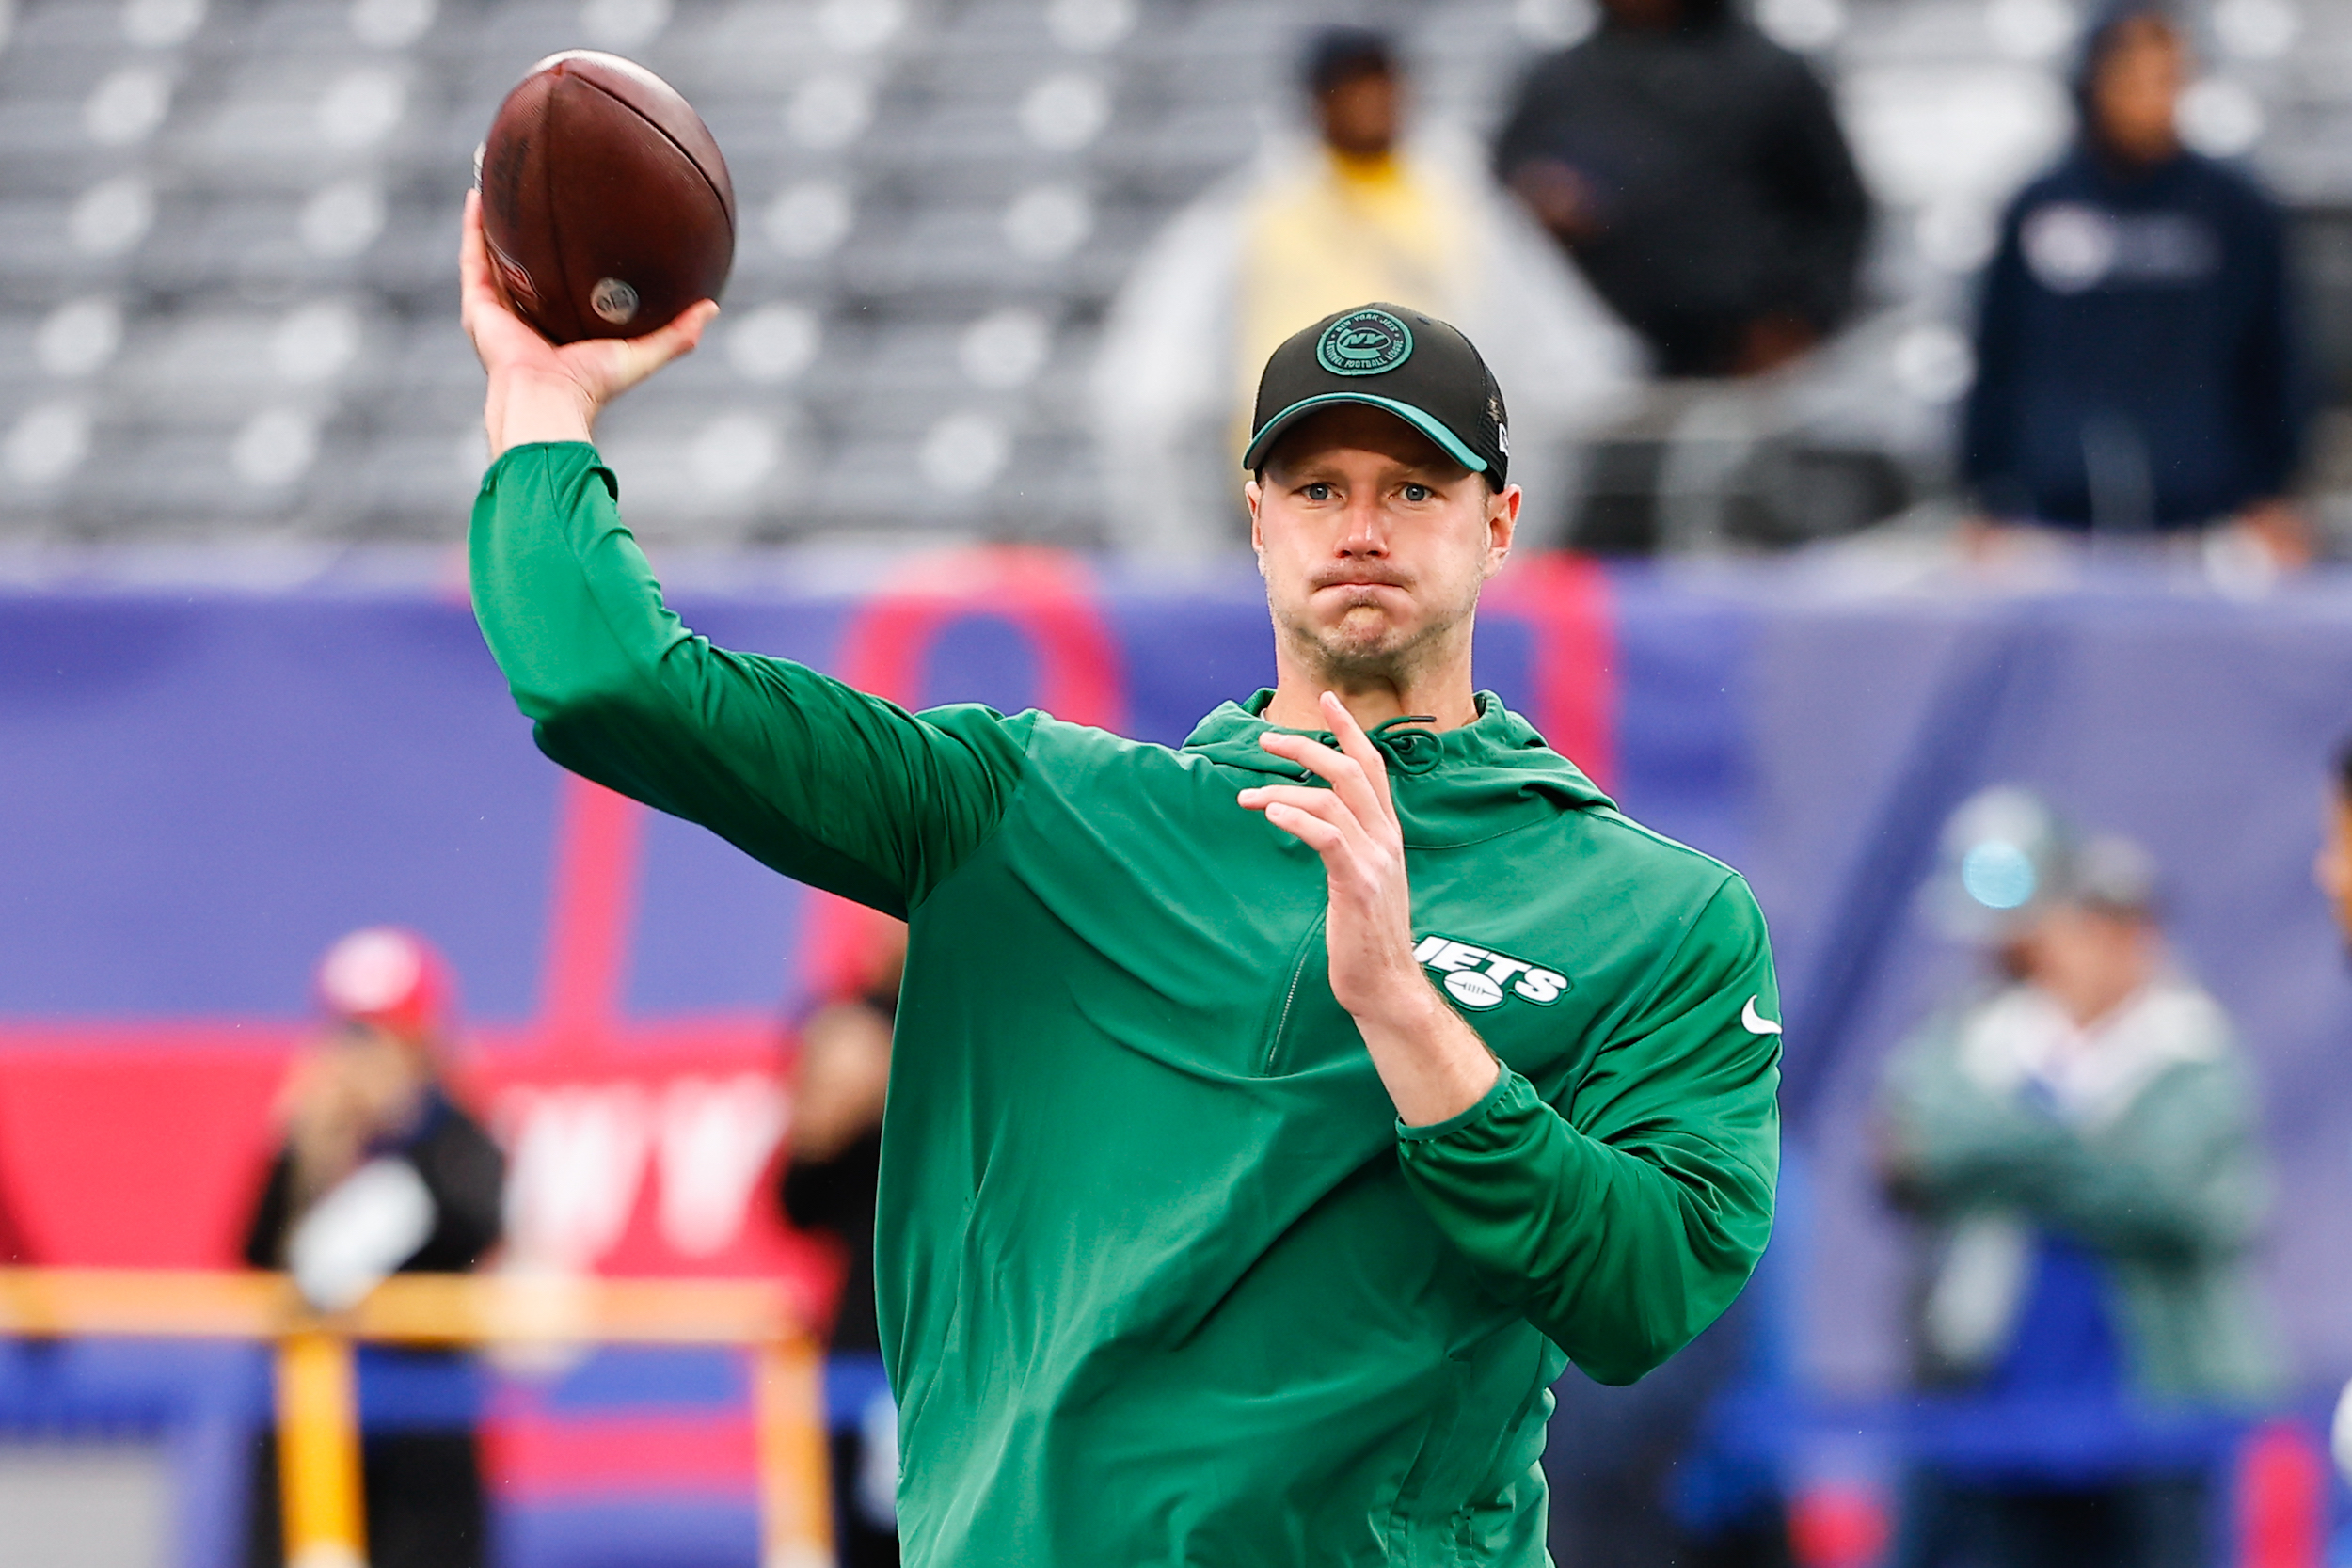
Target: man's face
(1358,113)
(1373,542)
(2332,869)
(2137,90)
(373,1072)
(2090,961)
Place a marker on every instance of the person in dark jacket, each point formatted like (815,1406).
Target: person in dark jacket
(830,1177)
(380,1171)
(1693,168)
(2135,362)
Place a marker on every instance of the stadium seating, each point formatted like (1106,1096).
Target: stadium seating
(227,226)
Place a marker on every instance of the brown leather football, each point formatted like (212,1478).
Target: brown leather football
(605,199)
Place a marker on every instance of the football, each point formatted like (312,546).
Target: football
(605,199)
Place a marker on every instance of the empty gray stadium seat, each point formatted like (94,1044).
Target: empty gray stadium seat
(257,156)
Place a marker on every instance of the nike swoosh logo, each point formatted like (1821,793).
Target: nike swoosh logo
(1755,1023)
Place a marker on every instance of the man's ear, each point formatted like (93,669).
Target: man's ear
(1253,493)
(1503,523)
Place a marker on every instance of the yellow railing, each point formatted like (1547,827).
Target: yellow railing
(317,1400)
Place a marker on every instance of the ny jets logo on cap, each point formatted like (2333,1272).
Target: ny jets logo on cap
(1480,978)
(1365,342)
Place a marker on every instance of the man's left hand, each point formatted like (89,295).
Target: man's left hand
(1434,1065)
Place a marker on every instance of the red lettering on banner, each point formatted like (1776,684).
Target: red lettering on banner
(1564,600)
(1046,595)
(638,1144)
(137,1144)
(598,837)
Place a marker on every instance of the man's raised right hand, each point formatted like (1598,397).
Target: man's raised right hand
(541,392)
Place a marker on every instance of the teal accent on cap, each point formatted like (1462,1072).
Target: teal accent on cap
(1365,343)
(1428,424)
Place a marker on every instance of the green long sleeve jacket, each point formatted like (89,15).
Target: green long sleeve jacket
(1161,1278)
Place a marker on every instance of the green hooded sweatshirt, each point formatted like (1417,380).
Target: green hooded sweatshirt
(1162,1279)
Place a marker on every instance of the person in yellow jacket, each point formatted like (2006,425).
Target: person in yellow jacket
(1315,227)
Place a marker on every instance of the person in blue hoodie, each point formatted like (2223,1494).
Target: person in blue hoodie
(2136,367)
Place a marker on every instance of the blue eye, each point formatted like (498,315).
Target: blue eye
(1318,492)
(1418,492)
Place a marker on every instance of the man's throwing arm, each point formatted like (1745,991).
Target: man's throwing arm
(1625,1220)
(829,786)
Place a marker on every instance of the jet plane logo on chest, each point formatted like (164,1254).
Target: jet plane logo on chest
(1481,977)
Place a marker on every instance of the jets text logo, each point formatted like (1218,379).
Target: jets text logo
(1480,978)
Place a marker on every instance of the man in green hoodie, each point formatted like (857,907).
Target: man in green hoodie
(1270,1118)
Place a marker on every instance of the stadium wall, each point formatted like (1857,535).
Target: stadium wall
(202,790)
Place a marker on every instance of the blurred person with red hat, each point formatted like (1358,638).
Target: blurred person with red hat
(379,1171)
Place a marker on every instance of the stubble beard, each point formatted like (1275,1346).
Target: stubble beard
(1365,648)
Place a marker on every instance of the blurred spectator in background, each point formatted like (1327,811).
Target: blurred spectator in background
(829,1181)
(2079,1145)
(1661,1473)
(2332,869)
(381,1172)
(1694,170)
(1317,227)
(2136,370)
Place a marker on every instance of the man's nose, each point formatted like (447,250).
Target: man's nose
(1365,531)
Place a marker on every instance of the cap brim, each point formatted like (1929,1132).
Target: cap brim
(1428,424)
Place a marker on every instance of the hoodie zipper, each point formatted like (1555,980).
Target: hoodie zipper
(1298,968)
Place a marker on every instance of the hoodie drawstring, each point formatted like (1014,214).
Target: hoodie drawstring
(1410,750)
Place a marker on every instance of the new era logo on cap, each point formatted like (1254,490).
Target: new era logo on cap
(1386,356)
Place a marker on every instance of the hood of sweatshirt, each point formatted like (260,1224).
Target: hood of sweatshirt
(1492,776)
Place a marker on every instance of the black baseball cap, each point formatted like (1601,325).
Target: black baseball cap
(1386,356)
(1337,55)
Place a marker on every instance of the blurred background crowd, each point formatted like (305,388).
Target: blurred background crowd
(1937,417)
(1731,265)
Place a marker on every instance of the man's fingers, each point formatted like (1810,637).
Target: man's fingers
(473,258)
(500,336)
(1313,756)
(1346,775)
(1305,826)
(1317,802)
(678,339)
(469,256)
(1351,846)
(635,358)
(1359,746)
(473,263)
